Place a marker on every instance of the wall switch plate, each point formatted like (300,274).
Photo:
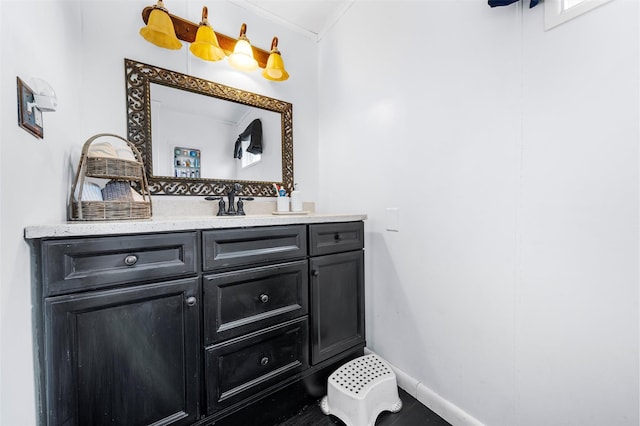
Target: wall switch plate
(29,115)
(393,219)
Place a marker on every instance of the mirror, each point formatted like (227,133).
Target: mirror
(198,137)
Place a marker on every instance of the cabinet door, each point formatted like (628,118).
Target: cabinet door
(123,357)
(337,304)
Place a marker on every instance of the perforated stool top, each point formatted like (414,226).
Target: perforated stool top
(360,390)
(359,375)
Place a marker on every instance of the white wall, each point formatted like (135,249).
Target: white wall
(510,292)
(34,175)
(580,220)
(79,48)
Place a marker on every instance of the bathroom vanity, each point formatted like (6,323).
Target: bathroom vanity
(194,321)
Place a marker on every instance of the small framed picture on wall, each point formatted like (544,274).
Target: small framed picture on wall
(29,115)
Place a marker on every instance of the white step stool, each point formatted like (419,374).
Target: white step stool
(360,390)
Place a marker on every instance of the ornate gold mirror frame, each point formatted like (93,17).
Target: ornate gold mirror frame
(139,76)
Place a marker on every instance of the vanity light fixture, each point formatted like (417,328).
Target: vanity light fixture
(275,65)
(242,56)
(206,44)
(159,29)
(166,33)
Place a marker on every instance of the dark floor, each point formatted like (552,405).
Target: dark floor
(413,413)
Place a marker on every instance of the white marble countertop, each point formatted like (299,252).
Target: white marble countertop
(168,224)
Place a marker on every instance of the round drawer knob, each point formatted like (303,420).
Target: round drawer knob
(264,360)
(337,237)
(191,301)
(131,260)
(264,298)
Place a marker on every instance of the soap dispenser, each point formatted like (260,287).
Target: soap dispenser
(296,199)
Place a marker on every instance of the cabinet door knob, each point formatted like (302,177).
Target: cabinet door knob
(315,273)
(264,298)
(131,260)
(264,360)
(191,301)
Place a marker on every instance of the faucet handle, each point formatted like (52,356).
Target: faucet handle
(221,204)
(241,205)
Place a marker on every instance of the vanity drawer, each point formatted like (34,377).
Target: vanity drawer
(239,302)
(74,265)
(227,248)
(329,238)
(240,367)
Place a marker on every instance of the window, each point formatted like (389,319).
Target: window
(558,11)
(248,158)
(568,4)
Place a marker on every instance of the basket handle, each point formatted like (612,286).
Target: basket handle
(82,166)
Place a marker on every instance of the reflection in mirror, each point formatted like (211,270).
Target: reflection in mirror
(212,127)
(198,137)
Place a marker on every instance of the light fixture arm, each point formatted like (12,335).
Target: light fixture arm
(205,16)
(243,31)
(186,31)
(160,5)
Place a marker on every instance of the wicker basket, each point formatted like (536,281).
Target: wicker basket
(114,168)
(109,168)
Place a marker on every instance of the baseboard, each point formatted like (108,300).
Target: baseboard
(436,403)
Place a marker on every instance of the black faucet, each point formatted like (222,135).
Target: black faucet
(231,195)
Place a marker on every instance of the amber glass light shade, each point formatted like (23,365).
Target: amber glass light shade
(242,56)
(275,65)
(206,44)
(159,29)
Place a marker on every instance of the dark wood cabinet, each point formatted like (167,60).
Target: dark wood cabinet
(238,368)
(83,264)
(244,247)
(337,304)
(328,238)
(337,289)
(194,327)
(119,329)
(124,357)
(255,317)
(238,302)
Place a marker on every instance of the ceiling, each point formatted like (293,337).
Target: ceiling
(311,17)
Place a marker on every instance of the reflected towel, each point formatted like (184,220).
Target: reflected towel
(494,3)
(254,131)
